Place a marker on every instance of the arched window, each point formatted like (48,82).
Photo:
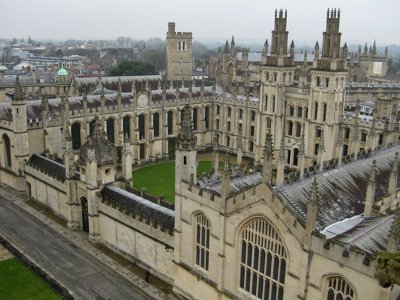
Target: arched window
(228,140)
(346,133)
(142,124)
(269,122)
(240,113)
(262,260)
(156,124)
(251,146)
(92,125)
(315,111)
(345,150)
(273,103)
(76,135)
(316,149)
(324,112)
(195,118)
(207,117)
(229,111)
(298,129)
(295,157)
(7,151)
(218,109)
(338,289)
(110,130)
(290,128)
(253,115)
(299,112)
(202,241)
(126,126)
(170,120)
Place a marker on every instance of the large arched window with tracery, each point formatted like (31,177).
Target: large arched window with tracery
(202,241)
(262,260)
(338,289)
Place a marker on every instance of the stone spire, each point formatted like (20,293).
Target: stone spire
(239,145)
(18,92)
(280,174)
(312,207)
(226,50)
(302,153)
(186,139)
(316,51)
(393,180)
(127,160)
(292,49)
(321,150)
(394,235)
(215,155)
(268,157)
(226,178)
(370,197)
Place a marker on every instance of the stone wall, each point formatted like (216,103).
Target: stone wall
(146,245)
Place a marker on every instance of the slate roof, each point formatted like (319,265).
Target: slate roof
(341,191)
(47,166)
(111,83)
(25,80)
(238,183)
(369,234)
(135,205)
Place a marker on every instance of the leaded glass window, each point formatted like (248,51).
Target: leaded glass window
(202,241)
(262,261)
(338,289)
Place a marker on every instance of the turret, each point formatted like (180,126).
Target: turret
(279,44)
(186,151)
(331,37)
(20,129)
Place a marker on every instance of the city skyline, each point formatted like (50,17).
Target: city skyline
(361,21)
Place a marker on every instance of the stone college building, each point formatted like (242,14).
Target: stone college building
(306,223)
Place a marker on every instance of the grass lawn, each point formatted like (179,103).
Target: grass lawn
(159,179)
(17,282)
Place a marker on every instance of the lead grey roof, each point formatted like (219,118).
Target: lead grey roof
(369,234)
(138,206)
(341,191)
(238,183)
(47,166)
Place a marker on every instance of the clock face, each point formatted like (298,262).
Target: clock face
(143,100)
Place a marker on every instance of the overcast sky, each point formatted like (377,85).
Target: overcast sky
(361,20)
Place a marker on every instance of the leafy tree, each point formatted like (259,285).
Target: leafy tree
(133,68)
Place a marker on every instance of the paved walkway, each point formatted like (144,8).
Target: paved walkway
(68,256)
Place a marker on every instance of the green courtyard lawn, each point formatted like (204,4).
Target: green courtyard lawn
(17,282)
(159,179)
